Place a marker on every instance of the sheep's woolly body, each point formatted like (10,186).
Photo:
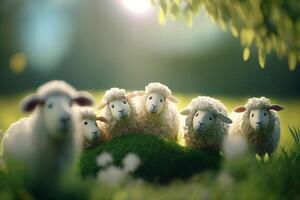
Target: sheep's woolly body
(213,138)
(116,128)
(11,136)
(27,140)
(166,123)
(263,142)
(89,113)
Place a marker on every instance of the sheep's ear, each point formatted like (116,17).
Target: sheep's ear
(102,119)
(185,112)
(84,99)
(29,103)
(224,118)
(276,107)
(240,109)
(173,99)
(101,105)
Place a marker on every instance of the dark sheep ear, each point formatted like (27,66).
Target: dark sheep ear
(276,107)
(29,103)
(84,99)
(240,109)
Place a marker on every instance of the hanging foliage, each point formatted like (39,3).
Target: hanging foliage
(269,25)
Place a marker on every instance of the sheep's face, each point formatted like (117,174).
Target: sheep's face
(120,109)
(56,111)
(203,121)
(155,103)
(259,119)
(90,129)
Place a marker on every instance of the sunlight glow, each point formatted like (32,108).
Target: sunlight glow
(137,6)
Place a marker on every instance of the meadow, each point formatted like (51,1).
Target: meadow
(244,177)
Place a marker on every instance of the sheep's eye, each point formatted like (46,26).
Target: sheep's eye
(50,105)
(197,114)
(252,115)
(210,118)
(85,123)
(150,98)
(161,100)
(265,114)
(124,102)
(112,106)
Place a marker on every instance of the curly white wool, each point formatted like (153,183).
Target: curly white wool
(88,113)
(166,123)
(213,138)
(114,128)
(262,142)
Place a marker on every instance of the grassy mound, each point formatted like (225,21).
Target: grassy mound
(162,160)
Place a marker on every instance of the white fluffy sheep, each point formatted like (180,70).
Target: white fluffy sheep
(46,143)
(207,123)
(158,114)
(119,113)
(93,135)
(258,122)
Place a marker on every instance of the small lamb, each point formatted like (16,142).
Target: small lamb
(119,113)
(259,123)
(157,111)
(207,123)
(44,146)
(93,135)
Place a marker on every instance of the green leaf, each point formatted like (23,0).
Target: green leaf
(246,54)
(261,58)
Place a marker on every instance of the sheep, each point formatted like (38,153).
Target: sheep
(258,122)
(158,114)
(207,123)
(45,144)
(119,113)
(93,135)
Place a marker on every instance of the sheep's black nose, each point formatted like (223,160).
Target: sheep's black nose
(65,119)
(259,122)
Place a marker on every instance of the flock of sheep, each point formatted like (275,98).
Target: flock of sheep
(63,122)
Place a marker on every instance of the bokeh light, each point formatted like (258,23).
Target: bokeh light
(18,62)
(137,6)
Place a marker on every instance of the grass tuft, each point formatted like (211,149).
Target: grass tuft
(162,160)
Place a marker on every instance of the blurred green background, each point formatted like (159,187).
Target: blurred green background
(101,44)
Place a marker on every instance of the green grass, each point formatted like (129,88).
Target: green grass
(244,178)
(162,160)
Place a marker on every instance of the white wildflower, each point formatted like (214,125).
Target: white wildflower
(112,176)
(234,147)
(104,159)
(131,162)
